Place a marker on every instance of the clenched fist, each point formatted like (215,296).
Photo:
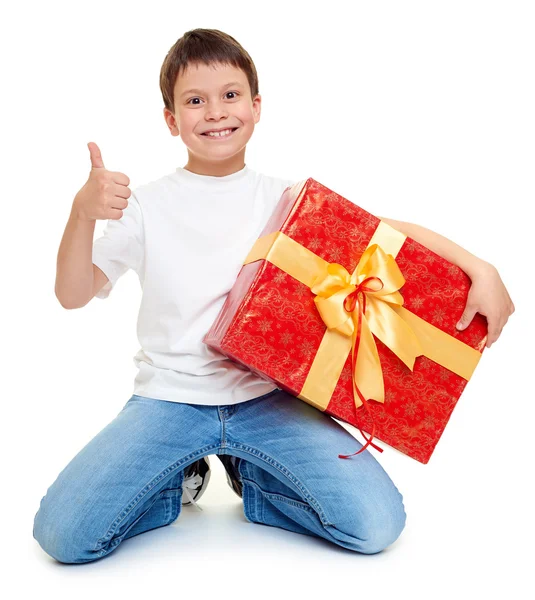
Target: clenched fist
(105,193)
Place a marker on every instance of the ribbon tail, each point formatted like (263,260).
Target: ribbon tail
(362,326)
(395,333)
(366,365)
(368,440)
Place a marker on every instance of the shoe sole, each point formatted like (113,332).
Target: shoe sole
(204,485)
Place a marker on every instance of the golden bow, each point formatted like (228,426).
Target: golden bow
(334,287)
(380,312)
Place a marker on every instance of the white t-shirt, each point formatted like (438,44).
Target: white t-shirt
(186,236)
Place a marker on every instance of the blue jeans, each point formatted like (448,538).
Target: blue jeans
(128,478)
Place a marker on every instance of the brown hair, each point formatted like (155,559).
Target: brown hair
(206,46)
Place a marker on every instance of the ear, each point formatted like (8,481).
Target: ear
(171,121)
(257,105)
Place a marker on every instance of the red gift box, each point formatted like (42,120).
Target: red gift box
(283,319)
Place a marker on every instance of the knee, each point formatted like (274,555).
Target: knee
(380,535)
(371,527)
(59,536)
(382,528)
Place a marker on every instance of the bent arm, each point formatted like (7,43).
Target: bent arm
(441,245)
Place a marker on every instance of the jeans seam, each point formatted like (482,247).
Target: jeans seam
(140,495)
(286,499)
(289,475)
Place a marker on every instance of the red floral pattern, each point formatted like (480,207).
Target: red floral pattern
(270,323)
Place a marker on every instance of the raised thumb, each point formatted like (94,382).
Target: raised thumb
(96,156)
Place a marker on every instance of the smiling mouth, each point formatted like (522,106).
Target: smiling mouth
(232,130)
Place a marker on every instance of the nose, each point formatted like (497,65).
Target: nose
(216,111)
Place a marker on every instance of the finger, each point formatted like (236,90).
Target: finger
(122,191)
(115,213)
(119,203)
(492,339)
(468,315)
(120,178)
(493,334)
(96,156)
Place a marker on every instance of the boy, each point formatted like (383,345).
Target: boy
(186,235)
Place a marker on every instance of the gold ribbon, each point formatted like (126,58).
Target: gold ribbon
(382,314)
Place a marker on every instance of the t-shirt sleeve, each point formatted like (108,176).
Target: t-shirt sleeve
(121,247)
(285,183)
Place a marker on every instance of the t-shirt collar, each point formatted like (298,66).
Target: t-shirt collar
(210,181)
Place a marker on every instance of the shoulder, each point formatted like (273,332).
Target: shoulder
(273,184)
(155,188)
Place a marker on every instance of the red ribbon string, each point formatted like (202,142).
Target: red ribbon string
(358,298)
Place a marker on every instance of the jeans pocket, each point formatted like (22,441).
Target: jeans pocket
(283,511)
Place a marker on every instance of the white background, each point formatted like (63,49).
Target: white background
(417,111)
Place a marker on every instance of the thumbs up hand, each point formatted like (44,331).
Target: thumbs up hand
(105,193)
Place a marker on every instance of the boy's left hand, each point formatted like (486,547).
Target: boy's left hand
(488,297)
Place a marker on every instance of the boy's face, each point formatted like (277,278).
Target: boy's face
(221,100)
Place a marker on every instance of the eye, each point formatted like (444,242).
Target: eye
(197,98)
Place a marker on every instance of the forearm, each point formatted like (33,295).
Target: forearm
(74,271)
(442,246)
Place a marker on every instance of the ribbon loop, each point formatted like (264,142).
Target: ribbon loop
(372,287)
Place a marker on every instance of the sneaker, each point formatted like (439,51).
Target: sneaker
(196,478)
(233,475)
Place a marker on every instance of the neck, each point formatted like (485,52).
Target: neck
(217,169)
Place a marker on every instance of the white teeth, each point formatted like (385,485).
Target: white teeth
(219,133)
